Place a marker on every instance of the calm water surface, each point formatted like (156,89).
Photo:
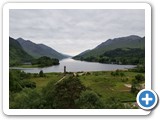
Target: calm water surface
(75,66)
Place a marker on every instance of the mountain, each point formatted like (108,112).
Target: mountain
(84,52)
(131,41)
(16,53)
(39,50)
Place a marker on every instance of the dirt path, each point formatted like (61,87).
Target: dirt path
(128,85)
(60,80)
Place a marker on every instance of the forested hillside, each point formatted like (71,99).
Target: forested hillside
(16,53)
(124,50)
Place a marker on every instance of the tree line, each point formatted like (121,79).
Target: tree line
(45,61)
(125,56)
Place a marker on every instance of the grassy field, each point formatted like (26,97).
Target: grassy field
(103,83)
(113,88)
(43,81)
(107,86)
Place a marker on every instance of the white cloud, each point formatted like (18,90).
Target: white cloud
(73,31)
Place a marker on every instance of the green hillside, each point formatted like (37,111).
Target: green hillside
(124,50)
(132,56)
(16,53)
(132,41)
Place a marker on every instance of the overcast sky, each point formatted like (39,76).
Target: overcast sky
(73,31)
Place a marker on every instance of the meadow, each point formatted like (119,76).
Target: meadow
(112,90)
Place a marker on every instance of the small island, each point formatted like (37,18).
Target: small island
(45,61)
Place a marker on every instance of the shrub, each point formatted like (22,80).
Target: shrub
(139,77)
(89,100)
(26,99)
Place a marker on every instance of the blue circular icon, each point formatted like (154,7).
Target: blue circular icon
(147,99)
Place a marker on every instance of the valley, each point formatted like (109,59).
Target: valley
(106,77)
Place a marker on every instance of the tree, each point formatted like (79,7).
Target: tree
(41,73)
(17,81)
(45,61)
(63,94)
(139,77)
(136,83)
(89,100)
(26,99)
(14,81)
(114,103)
(133,87)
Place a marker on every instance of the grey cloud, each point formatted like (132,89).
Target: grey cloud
(73,31)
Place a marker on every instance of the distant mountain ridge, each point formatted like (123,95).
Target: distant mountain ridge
(129,41)
(132,41)
(39,50)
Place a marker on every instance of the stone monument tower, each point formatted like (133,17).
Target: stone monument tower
(64,69)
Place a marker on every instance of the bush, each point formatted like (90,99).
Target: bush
(17,82)
(89,100)
(114,103)
(113,74)
(26,99)
(124,80)
(14,81)
(28,84)
(35,75)
(139,77)
(135,86)
(117,73)
(122,74)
